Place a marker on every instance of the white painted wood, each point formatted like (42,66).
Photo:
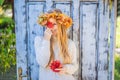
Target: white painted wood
(112,39)
(49,4)
(103,41)
(76,35)
(88,26)
(21,36)
(34,29)
(64,0)
(89,0)
(89,31)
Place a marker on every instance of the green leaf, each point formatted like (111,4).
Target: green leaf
(1,2)
(7,41)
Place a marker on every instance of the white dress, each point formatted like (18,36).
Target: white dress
(42,50)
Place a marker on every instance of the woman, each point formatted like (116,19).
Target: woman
(55,48)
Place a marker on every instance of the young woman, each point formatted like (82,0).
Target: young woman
(55,53)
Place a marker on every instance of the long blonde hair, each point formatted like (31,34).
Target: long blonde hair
(63,43)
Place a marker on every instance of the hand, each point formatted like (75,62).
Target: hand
(47,34)
(62,70)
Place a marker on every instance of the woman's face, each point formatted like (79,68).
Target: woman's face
(54,29)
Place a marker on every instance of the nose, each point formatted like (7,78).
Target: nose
(51,30)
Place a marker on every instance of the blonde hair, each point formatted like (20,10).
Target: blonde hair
(63,44)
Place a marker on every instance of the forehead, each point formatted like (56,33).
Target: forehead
(52,20)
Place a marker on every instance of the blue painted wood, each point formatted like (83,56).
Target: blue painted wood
(76,34)
(49,4)
(21,37)
(88,38)
(112,37)
(103,24)
(90,31)
(33,29)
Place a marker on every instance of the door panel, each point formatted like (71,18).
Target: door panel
(88,40)
(34,29)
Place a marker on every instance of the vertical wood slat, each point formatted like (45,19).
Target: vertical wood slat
(49,4)
(103,40)
(76,34)
(34,29)
(67,0)
(112,40)
(88,37)
(21,36)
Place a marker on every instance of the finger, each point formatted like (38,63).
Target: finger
(62,72)
(59,69)
(48,31)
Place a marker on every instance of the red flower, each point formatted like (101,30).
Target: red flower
(49,24)
(54,65)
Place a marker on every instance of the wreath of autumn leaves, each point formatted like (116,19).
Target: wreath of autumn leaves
(60,18)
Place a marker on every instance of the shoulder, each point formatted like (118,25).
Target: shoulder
(72,47)
(37,38)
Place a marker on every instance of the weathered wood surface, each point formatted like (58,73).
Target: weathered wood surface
(21,36)
(112,37)
(65,0)
(34,9)
(88,37)
(76,34)
(103,41)
(90,31)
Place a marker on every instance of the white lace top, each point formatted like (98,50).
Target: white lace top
(42,50)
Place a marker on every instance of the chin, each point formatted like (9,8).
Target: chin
(54,35)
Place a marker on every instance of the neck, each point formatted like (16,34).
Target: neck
(54,39)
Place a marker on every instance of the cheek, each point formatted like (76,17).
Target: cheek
(55,29)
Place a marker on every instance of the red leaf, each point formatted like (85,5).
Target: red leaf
(49,24)
(54,65)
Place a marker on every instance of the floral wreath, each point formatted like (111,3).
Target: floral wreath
(60,18)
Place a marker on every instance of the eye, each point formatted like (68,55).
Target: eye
(54,24)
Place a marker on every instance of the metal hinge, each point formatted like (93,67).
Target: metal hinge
(20,76)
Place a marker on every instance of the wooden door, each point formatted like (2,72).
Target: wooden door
(90,31)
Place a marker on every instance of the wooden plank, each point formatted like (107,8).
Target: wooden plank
(65,0)
(103,40)
(36,0)
(88,27)
(21,36)
(112,39)
(33,29)
(76,35)
(49,4)
(66,9)
(74,0)
(89,0)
